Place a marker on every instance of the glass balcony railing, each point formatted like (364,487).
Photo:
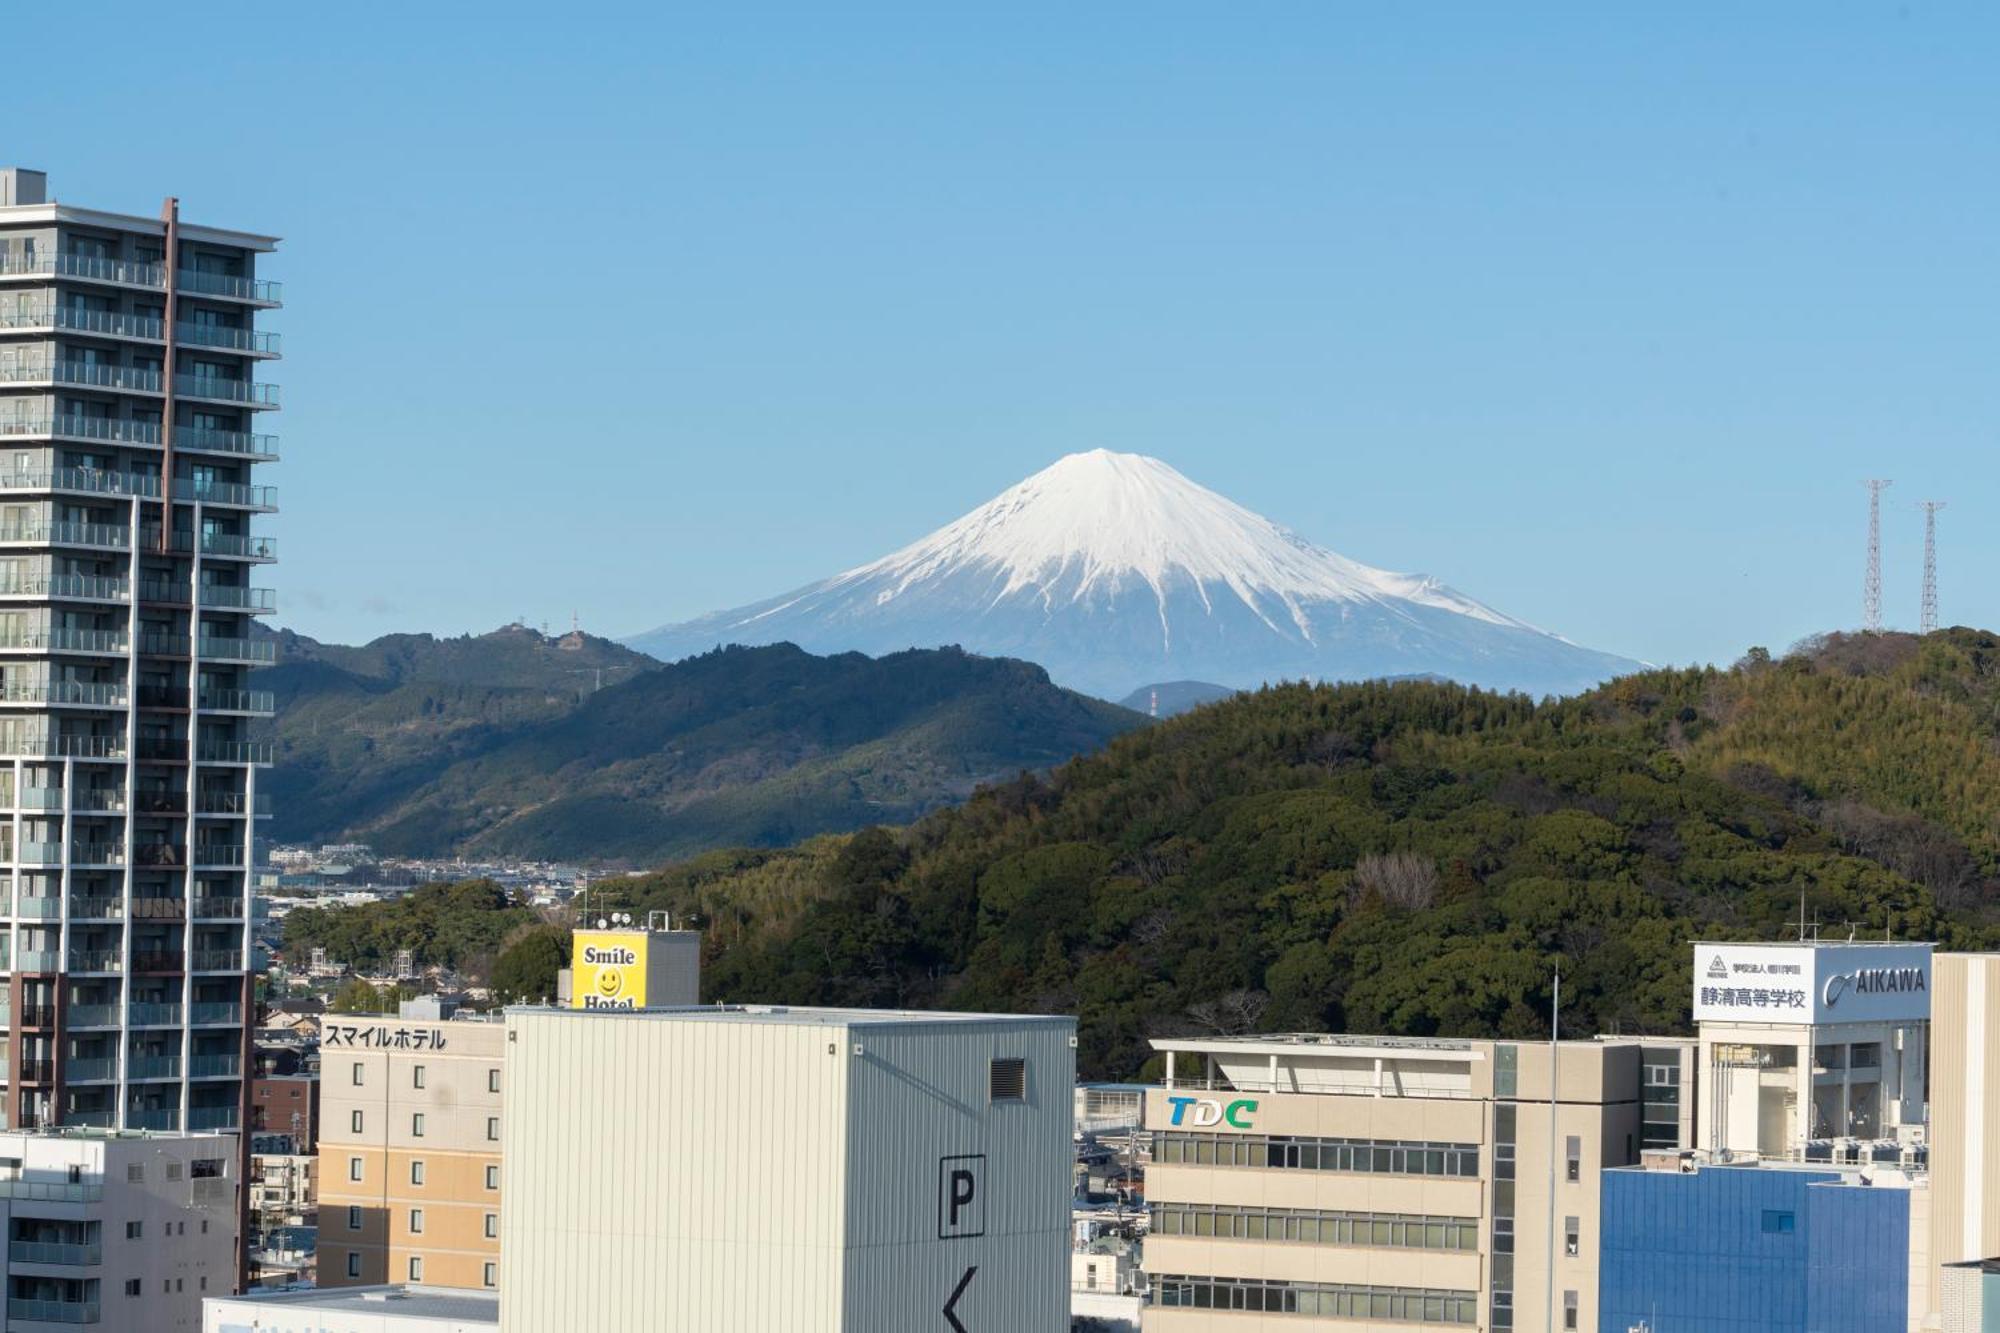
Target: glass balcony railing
(124,272)
(38,854)
(235,752)
(215,1013)
(37,960)
(96,960)
(61,639)
(53,1191)
(102,1119)
(261,703)
(93,1016)
(53,533)
(217,388)
(90,1070)
(213,543)
(85,374)
(218,909)
(218,960)
(215,1066)
(89,481)
(80,587)
(105,430)
(248,341)
(156,1015)
(104,323)
(231,803)
(99,801)
(216,648)
(75,693)
(218,854)
(38,909)
(254,600)
(63,747)
(205,1118)
(229,285)
(55,1252)
(53,1312)
(96,908)
(226,442)
(153,1066)
(152,1119)
(97,854)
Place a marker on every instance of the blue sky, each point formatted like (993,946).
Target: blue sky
(1598,312)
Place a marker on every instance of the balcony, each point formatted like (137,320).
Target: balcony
(49,532)
(230,287)
(92,1016)
(153,1067)
(218,855)
(90,1070)
(96,960)
(247,341)
(67,587)
(207,1118)
(258,703)
(90,268)
(257,601)
(38,1016)
(218,960)
(38,909)
(163,1118)
(53,1191)
(37,960)
(218,389)
(212,543)
(158,909)
(37,1071)
(215,1066)
(67,693)
(63,747)
(52,1312)
(97,854)
(218,909)
(109,642)
(226,493)
(38,854)
(157,960)
(159,853)
(102,323)
(155,1015)
(85,481)
(50,1252)
(89,1119)
(235,752)
(98,801)
(217,1014)
(262,448)
(102,430)
(83,374)
(215,648)
(231,803)
(39,798)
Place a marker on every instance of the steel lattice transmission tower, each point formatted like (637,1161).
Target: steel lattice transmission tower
(1929,623)
(1871,585)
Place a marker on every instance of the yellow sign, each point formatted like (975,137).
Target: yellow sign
(608,969)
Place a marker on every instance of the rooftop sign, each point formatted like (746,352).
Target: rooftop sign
(1810,984)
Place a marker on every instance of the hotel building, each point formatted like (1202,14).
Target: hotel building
(129,402)
(1345,1180)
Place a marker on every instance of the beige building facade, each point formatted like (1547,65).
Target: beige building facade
(409,1153)
(1344,1181)
(1965,1113)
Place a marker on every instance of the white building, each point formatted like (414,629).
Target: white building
(1809,1049)
(122,1230)
(765,1170)
(355,1310)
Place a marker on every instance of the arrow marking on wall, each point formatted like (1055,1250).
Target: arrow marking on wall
(951,1305)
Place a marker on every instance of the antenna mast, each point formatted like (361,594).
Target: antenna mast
(1871,586)
(1929,623)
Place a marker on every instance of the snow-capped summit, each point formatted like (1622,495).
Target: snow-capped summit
(1112,570)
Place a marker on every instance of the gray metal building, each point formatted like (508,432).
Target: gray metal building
(764,1170)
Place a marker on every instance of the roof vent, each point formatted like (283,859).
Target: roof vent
(18,185)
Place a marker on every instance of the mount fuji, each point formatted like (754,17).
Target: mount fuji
(1113,570)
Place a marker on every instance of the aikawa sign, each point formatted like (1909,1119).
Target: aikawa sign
(1801,984)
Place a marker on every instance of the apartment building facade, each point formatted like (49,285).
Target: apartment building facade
(118,1230)
(129,446)
(409,1151)
(1343,1180)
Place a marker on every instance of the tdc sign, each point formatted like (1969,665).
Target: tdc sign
(1207,1113)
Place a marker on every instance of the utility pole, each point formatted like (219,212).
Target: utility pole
(1929,622)
(1871,585)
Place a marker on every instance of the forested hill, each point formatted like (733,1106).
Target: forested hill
(1406,858)
(505,744)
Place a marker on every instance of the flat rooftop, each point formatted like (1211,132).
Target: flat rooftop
(763,1014)
(445,1304)
(1330,1040)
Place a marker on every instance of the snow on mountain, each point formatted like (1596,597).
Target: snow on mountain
(1112,570)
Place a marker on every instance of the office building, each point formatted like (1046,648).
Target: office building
(409,1151)
(383,1309)
(129,446)
(119,1230)
(768,1170)
(1336,1179)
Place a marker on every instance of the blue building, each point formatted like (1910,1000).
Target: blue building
(1740,1248)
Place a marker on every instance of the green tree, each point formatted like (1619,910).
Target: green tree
(528,964)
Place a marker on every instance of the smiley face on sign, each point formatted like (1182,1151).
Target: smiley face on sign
(610,981)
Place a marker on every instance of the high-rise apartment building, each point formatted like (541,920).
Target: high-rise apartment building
(129,403)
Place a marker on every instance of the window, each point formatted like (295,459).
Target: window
(1572,1237)
(416,1076)
(353,1217)
(134,1230)
(1569,1310)
(357,1073)
(353,1264)
(1007,1080)
(416,1221)
(493,1226)
(416,1124)
(1506,1070)
(493,1128)
(493,1177)
(416,1173)
(1573,1149)
(1778,1222)
(490,1275)
(131,1286)
(134,1173)
(354,1168)
(416,1268)
(354,1122)
(204,1226)
(173,1170)
(493,1080)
